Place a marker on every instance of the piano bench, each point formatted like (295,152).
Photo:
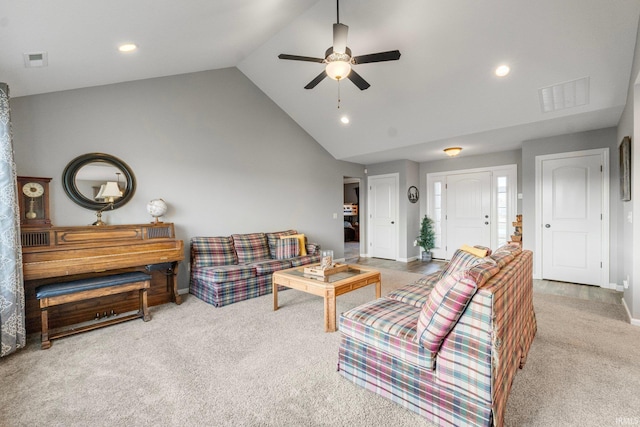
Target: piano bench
(93,287)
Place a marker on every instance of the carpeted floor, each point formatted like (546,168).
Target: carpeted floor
(246,365)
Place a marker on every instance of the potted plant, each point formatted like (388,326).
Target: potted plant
(427,238)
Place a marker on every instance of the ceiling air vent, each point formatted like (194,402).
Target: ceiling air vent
(564,95)
(36,59)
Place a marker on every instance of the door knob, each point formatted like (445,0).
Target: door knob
(486,216)
(393,222)
(547,225)
(486,223)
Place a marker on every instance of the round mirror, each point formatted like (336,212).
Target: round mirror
(86,177)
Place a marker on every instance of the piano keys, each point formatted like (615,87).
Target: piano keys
(60,254)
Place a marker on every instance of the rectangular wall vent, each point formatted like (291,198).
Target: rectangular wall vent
(36,59)
(564,95)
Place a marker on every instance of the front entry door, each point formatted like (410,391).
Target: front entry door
(383,199)
(468,210)
(572,192)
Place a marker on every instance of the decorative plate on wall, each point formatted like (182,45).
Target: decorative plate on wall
(413,194)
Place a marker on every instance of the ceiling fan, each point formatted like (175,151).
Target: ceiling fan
(338,58)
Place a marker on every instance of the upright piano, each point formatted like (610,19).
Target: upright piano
(61,254)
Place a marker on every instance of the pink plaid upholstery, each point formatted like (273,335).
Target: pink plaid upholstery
(447,301)
(460,261)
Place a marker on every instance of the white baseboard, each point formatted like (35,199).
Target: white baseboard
(609,286)
(183,291)
(635,322)
(413,258)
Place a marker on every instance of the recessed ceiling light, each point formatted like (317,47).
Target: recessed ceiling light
(128,47)
(345,120)
(502,70)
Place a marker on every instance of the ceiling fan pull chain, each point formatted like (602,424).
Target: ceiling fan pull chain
(339,94)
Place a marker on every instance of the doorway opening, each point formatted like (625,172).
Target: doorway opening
(351,212)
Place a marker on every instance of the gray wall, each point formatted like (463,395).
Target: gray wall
(222,155)
(629,232)
(601,138)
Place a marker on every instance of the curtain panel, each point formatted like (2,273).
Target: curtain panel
(12,320)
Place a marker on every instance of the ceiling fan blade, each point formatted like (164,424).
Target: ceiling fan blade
(300,58)
(358,80)
(392,55)
(313,83)
(340,32)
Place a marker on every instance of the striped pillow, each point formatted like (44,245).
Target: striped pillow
(448,300)
(273,238)
(302,242)
(443,308)
(459,261)
(287,248)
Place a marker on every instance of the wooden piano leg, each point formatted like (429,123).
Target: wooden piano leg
(144,310)
(177,298)
(46,343)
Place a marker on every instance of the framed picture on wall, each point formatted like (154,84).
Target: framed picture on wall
(625,168)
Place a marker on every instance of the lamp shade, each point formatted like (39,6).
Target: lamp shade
(338,70)
(99,195)
(111,191)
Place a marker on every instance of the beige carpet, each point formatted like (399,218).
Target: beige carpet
(246,365)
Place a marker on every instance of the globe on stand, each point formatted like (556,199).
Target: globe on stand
(157,208)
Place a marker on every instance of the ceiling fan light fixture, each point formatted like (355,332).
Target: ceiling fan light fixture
(502,71)
(338,70)
(127,47)
(452,151)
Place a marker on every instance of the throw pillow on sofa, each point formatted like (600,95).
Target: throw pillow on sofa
(274,238)
(287,248)
(461,260)
(447,301)
(301,242)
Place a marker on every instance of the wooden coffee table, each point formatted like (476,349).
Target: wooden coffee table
(329,287)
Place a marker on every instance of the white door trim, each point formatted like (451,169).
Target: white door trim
(604,152)
(396,177)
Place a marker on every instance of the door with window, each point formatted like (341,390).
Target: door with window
(473,207)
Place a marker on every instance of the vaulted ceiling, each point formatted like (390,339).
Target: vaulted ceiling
(442,92)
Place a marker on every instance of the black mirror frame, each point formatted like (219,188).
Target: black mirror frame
(70,187)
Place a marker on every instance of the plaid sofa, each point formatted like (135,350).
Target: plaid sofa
(233,268)
(449,345)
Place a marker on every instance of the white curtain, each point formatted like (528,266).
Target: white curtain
(12,324)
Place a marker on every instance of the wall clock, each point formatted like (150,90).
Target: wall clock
(33,201)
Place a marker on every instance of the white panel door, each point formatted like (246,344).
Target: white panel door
(468,210)
(383,207)
(572,219)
